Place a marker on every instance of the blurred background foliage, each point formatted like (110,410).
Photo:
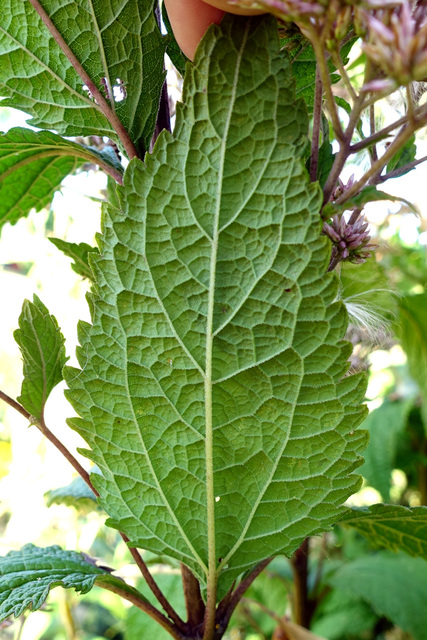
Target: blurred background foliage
(356,591)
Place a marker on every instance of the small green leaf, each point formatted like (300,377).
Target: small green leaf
(384,425)
(27,576)
(43,353)
(33,165)
(404,156)
(76,494)
(368,194)
(394,527)
(79,253)
(118,44)
(395,585)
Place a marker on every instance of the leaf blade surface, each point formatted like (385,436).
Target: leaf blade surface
(28,575)
(43,353)
(33,165)
(215,318)
(118,44)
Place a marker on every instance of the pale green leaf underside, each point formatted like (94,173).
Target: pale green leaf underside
(76,494)
(27,576)
(33,165)
(216,345)
(392,526)
(113,40)
(43,354)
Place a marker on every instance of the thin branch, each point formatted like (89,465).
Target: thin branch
(132,596)
(399,172)
(374,154)
(193,598)
(378,166)
(72,152)
(326,81)
(317,117)
(336,59)
(103,105)
(41,425)
(238,593)
(343,152)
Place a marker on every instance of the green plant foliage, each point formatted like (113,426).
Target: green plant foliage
(404,156)
(341,616)
(392,526)
(211,392)
(138,624)
(76,494)
(79,253)
(27,576)
(412,331)
(304,66)
(43,353)
(118,44)
(33,165)
(395,585)
(384,424)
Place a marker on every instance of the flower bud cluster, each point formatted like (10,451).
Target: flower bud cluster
(350,240)
(396,40)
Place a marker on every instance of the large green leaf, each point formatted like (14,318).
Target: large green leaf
(33,165)
(384,425)
(43,353)
(395,585)
(118,44)
(392,526)
(212,390)
(27,576)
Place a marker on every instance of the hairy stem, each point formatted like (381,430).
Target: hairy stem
(299,562)
(194,604)
(103,105)
(317,117)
